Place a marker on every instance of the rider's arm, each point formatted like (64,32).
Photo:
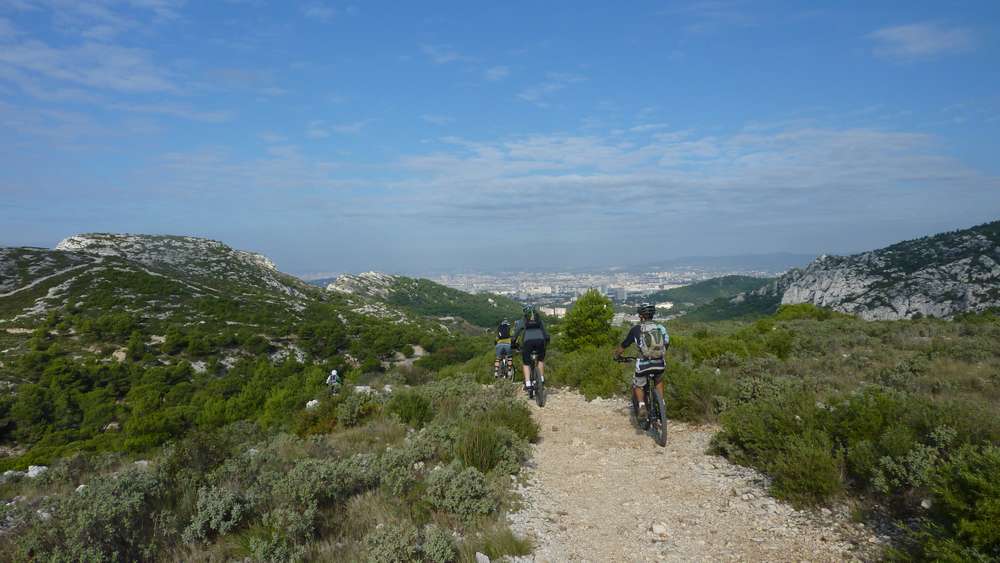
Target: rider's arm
(629,339)
(518,329)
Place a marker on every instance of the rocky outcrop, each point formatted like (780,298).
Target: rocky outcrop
(938,276)
(195,257)
(370,284)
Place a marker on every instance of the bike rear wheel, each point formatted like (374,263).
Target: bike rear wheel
(657,416)
(539,387)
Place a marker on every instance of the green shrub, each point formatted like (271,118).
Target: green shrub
(327,481)
(220,511)
(463,492)
(356,408)
(806,471)
(438,546)
(487,447)
(591,370)
(411,408)
(966,505)
(392,543)
(514,415)
(111,519)
(695,394)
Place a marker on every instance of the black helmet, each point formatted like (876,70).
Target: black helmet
(646,310)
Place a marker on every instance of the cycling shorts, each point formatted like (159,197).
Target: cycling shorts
(530,346)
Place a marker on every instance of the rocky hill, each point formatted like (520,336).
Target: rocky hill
(936,276)
(424,297)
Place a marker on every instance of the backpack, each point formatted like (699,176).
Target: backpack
(532,320)
(503,331)
(652,341)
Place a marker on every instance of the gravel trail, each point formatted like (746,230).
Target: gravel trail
(599,490)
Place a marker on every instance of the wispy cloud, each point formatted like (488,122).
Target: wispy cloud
(320,12)
(443,54)
(435,119)
(321,129)
(496,73)
(98,65)
(921,41)
(540,93)
(708,16)
(175,110)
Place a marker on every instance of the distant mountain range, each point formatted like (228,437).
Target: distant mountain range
(937,276)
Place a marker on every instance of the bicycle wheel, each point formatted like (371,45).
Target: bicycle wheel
(658,416)
(635,408)
(539,387)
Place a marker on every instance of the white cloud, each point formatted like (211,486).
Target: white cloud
(321,129)
(539,94)
(97,65)
(921,41)
(496,73)
(319,12)
(443,54)
(351,128)
(434,119)
(176,110)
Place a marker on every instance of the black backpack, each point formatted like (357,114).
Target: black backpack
(503,331)
(532,320)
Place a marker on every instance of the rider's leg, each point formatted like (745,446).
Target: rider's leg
(659,388)
(541,369)
(496,367)
(527,375)
(640,396)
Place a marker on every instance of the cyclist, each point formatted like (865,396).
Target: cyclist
(652,340)
(536,338)
(502,347)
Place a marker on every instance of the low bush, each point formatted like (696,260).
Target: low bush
(220,511)
(438,546)
(463,492)
(487,447)
(807,471)
(392,543)
(411,408)
(591,370)
(357,408)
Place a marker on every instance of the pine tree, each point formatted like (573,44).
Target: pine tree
(588,323)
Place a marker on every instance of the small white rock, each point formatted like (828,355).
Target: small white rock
(142,463)
(926,504)
(312,404)
(36,470)
(81,488)
(482,558)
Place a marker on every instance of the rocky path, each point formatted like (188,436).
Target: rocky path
(598,490)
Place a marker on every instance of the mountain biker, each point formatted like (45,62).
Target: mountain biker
(333,381)
(536,338)
(652,340)
(502,346)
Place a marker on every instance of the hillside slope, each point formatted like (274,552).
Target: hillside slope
(697,294)
(424,297)
(935,276)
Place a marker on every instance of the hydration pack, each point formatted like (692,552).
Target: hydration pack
(652,341)
(503,331)
(532,320)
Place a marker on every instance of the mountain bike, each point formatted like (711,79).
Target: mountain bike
(537,390)
(506,369)
(656,409)
(537,382)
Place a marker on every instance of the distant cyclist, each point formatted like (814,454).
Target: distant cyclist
(536,338)
(652,340)
(502,346)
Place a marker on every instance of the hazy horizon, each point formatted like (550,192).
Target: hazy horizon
(343,138)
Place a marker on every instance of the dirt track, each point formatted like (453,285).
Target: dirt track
(598,490)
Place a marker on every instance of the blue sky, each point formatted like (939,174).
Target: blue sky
(412,137)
